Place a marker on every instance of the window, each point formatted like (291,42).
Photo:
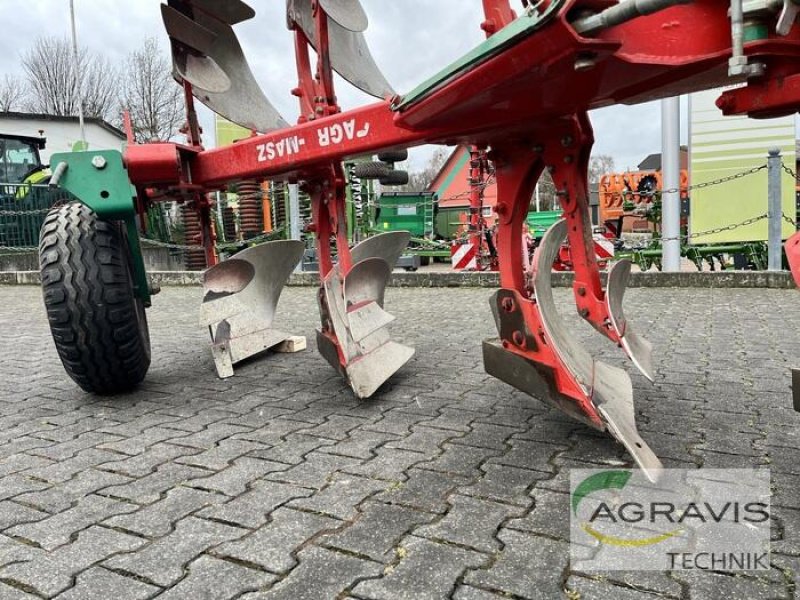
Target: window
(17,160)
(409,210)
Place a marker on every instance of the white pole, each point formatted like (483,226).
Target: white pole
(671,180)
(78,77)
(774,210)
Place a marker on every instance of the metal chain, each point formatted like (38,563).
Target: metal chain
(12,213)
(789,171)
(790,220)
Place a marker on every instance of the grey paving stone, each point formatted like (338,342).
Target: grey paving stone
(236,478)
(377,530)
(148,460)
(512,572)
(97,583)
(315,471)
(341,497)
(549,515)
(8,592)
(470,522)
(213,579)
(503,483)
(321,573)
(362,444)
(425,570)
(291,451)
(64,470)
(581,587)
(162,562)
(49,573)
(461,460)
(271,547)
(708,586)
(56,530)
(530,455)
(62,496)
(389,464)
(425,439)
(158,519)
(12,514)
(148,489)
(253,508)
(423,490)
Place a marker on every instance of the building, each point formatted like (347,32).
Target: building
(62,132)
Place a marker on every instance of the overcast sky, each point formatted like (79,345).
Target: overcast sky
(411,39)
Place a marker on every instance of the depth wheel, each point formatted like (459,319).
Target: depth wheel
(99,326)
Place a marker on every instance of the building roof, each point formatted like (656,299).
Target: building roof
(63,119)
(451,184)
(653,161)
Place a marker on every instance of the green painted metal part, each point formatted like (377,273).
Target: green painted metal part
(510,35)
(100,181)
(539,222)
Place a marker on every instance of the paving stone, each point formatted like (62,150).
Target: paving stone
(61,496)
(341,497)
(425,439)
(362,444)
(158,519)
(581,587)
(235,479)
(162,562)
(149,488)
(425,570)
(12,514)
(253,508)
(292,451)
(721,398)
(8,592)
(321,573)
(707,585)
(512,572)
(377,530)
(56,530)
(423,490)
(49,573)
(470,522)
(271,547)
(148,460)
(549,515)
(315,471)
(213,579)
(461,460)
(503,483)
(97,583)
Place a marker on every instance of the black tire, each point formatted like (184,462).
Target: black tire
(370,170)
(393,156)
(395,178)
(99,327)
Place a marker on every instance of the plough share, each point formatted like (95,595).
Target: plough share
(522,96)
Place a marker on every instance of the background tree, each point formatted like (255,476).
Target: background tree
(419,181)
(12,92)
(151,95)
(52,83)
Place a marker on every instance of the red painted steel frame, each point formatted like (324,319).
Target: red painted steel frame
(528,103)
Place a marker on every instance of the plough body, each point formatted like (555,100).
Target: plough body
(522,95)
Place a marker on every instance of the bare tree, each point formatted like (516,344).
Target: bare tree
(419,181)
(153,98)
(12,91)
(53,83)
(598,166)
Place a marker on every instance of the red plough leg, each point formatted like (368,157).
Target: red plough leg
(354,337)
(536,352)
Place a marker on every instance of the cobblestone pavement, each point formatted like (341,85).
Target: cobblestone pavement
(278,484)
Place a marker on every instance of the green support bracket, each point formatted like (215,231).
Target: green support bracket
(100,181)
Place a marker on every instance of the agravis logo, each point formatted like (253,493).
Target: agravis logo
(604,481)
(697,518)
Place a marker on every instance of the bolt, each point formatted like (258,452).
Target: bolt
(568,159)
(99,162)
(581,291)
(584,312)
(519,338)
(566,141)
(538,148)
(508,304)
